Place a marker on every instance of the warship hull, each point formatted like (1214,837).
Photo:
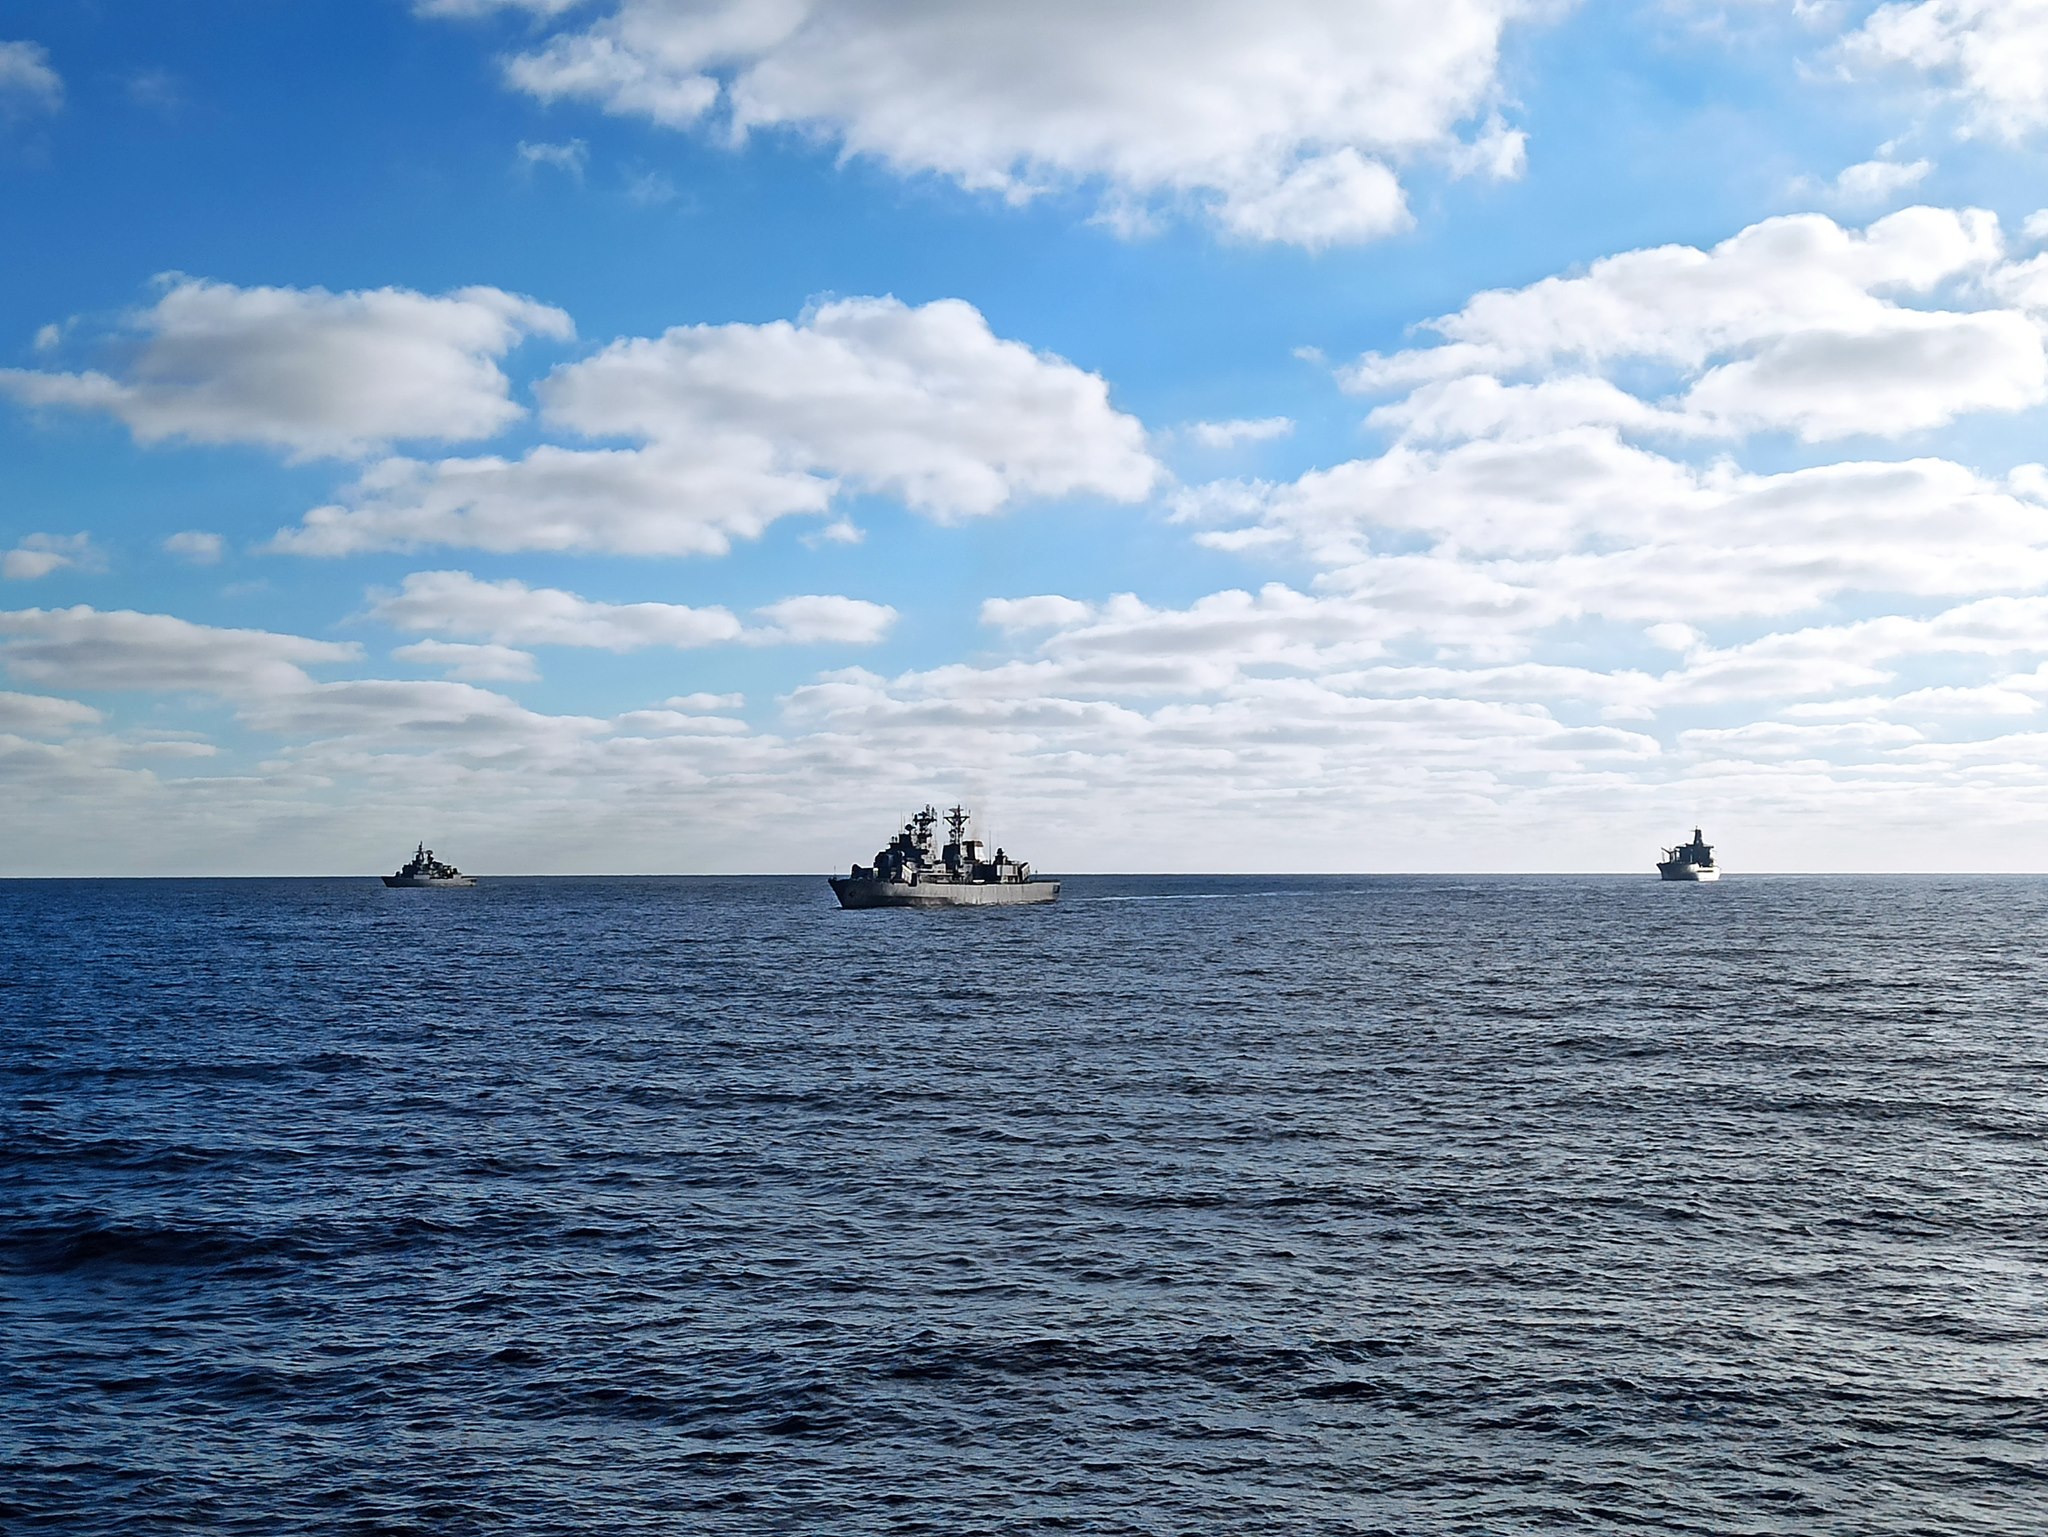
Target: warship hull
(854,892)
(428,880)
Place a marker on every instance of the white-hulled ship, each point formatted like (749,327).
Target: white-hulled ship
(915,870)
(423,869)
(1692,861)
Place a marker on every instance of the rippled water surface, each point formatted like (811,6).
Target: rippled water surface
(1320,1206)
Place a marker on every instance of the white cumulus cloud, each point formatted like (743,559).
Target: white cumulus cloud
(27,82)
(692,498)
(1336,199)
(924,403)
(1229,434)
(197,546)
(467,662)
(1870,183)
(43,715)
(821,618)
(510,613)
(37,555)
(1795,324)
(1991,56)
(87,648)
(304,370)
(571,157)
(1284,119)
(740,425)
(513,614)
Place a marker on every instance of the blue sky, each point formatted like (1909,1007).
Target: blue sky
(648,435)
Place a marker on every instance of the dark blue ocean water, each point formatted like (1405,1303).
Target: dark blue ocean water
(1243,1205)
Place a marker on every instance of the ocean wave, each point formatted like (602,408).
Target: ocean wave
(1395,1206)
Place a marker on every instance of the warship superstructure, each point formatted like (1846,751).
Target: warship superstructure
(916,870)
(1692,861)
(423,869)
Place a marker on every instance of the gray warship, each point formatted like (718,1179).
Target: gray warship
(1692,861)
(423,869)
(915,870)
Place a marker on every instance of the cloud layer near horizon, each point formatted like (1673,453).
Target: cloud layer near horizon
(1677,528)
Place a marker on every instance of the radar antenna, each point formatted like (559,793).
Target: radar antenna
(956,823)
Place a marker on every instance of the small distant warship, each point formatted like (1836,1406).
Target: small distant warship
(915,870)
(1692,861)
(423,869)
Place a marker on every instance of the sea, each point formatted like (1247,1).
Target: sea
(1235,1205)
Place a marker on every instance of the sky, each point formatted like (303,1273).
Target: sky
(653,436)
